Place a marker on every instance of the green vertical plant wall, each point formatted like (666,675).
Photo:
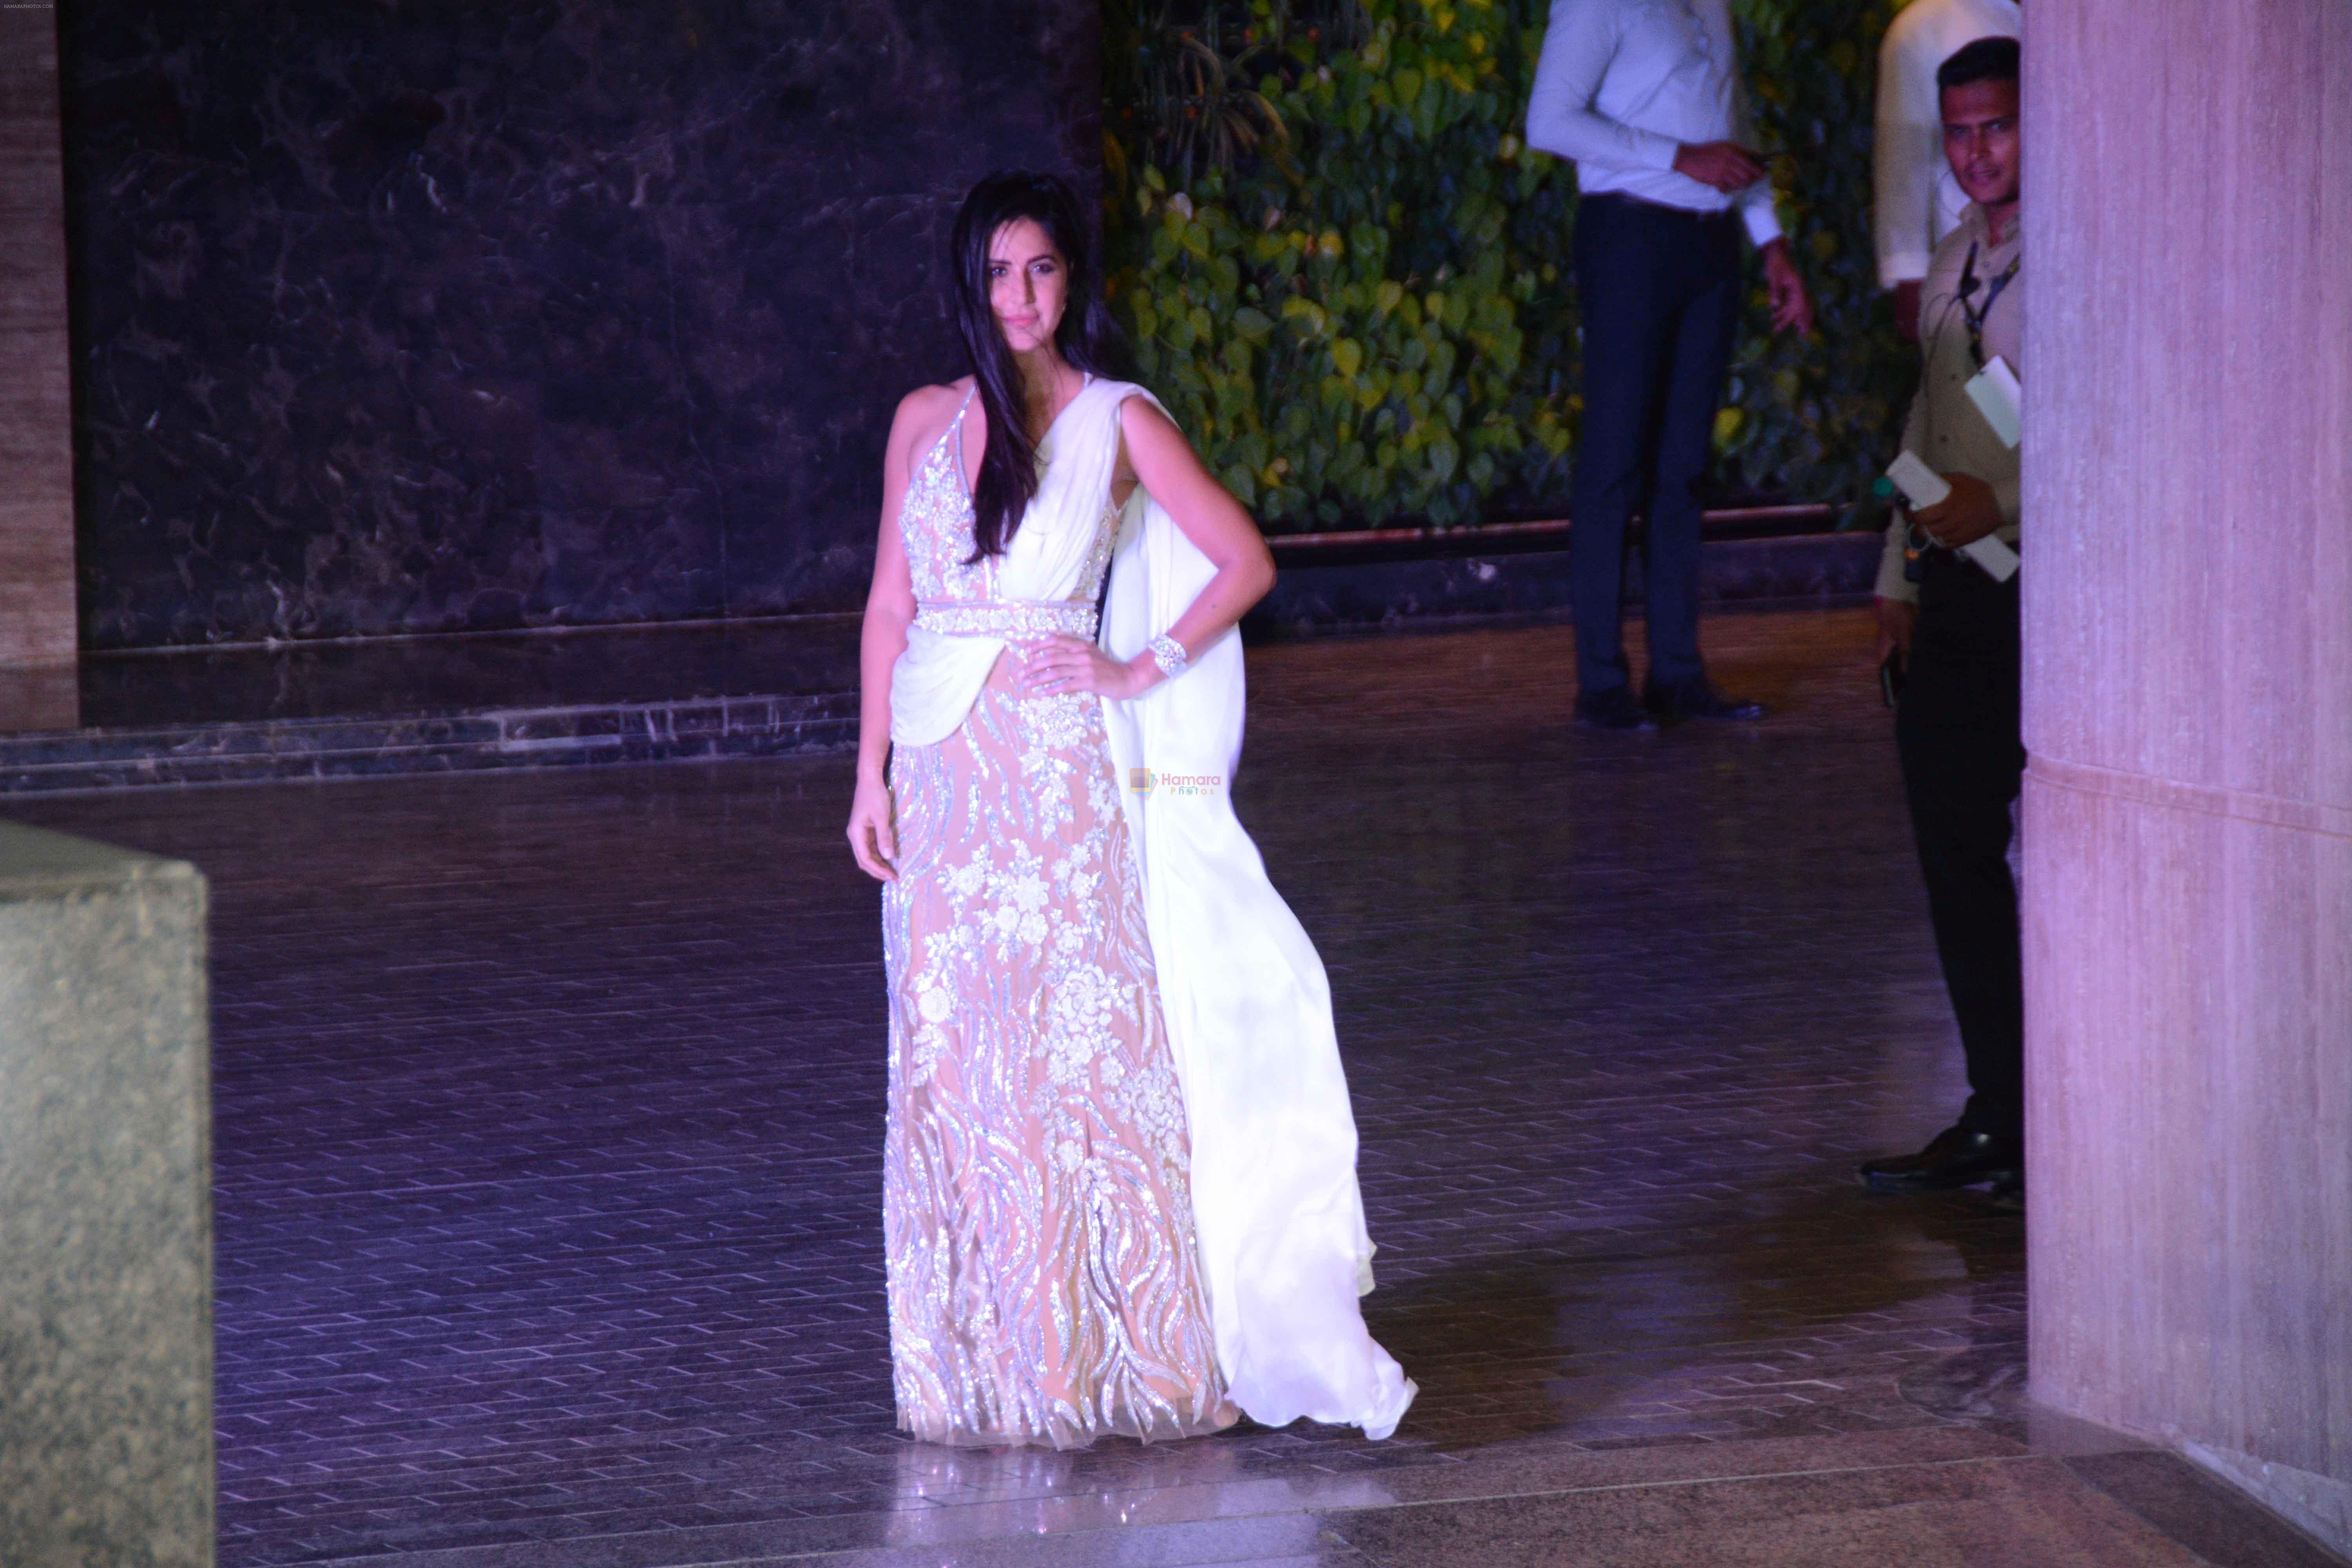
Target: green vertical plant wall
(1349,278)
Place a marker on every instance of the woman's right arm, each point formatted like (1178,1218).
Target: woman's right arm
(889,610)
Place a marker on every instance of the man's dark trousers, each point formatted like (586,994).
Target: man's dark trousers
(1658,289)
(1956,730)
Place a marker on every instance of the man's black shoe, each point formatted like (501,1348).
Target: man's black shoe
(1612,708)
(1956,1158)
(1695,698)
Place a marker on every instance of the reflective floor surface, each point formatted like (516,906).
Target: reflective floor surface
(549,1104)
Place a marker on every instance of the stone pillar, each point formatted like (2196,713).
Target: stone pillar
(2189,709)
(106,1339)
(37,514)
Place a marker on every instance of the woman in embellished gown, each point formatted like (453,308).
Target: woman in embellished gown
(1118,1186)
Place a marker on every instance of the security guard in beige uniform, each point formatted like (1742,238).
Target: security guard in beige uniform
(1955,623)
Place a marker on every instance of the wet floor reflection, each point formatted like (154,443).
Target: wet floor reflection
(1793,1308)
(549,1115)
(1115,1484)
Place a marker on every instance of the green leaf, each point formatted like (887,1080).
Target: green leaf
(1438,232)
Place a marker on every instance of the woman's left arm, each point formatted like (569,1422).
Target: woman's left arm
(1164,463)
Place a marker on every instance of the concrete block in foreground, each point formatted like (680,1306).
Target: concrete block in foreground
(106,1337)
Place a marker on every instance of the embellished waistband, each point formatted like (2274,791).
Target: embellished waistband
(1010,618)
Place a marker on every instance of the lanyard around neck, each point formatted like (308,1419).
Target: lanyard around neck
(1975,314)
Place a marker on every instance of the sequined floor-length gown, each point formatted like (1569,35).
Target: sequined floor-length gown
(1044,1284)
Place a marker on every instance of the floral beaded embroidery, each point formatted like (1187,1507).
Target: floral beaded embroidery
(1037,1210)
(936,523)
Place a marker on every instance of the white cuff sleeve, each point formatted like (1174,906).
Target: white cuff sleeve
(1902,267)
(1891,582)
(1756,210)
(1655,151)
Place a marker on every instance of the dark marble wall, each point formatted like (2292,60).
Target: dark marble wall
(432,315)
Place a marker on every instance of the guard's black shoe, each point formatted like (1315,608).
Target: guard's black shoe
(2009,1197)
(1695,698)
(1956,1158)
(1612,708)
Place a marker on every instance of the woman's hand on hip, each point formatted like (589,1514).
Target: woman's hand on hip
(873,836)
(1062,663)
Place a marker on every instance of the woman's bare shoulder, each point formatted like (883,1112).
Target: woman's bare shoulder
(925,414)
(1139,411)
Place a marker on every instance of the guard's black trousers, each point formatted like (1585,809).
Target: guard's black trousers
(1659,293)
(1963,759)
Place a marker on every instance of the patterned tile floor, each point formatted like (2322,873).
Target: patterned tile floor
(548,1108)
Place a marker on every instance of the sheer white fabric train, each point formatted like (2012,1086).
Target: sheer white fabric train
(1279,1218)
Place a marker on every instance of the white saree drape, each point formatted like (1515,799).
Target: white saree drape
(935,681)
(1276,1211)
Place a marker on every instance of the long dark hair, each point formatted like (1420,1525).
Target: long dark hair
(1088,337)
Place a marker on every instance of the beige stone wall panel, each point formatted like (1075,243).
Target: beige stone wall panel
(2191,1103)
(2189,708)
(37,617)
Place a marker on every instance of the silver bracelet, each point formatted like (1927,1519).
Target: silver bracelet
(1170,656)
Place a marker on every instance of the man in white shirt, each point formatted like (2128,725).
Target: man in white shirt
(1644,96)
(1916,202)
